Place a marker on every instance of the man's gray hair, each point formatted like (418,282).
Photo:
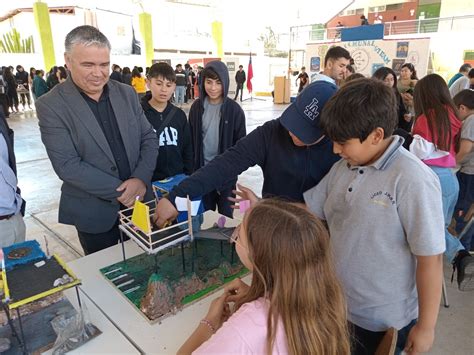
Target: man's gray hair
(87,36)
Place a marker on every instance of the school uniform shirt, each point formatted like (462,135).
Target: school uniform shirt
(467,132)
(175,155)
(459,85)
(380,217)
(454,78)
(245,332)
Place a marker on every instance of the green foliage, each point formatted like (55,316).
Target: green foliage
(270,41)
(13,43)
(430,10)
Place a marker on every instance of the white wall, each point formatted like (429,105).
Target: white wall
(447,50)
(456,8)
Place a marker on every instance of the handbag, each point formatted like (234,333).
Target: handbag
(21,89)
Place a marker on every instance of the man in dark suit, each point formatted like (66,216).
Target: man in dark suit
(98,140)
(12,226)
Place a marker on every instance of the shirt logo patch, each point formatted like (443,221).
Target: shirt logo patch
(169,136)
(311,111)
(384,199)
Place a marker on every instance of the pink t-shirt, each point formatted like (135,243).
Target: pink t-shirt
(245,333)
(421,128)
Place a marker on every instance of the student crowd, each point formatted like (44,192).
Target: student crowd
(359,192)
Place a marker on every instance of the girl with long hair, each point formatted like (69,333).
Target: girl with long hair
(435,135)
(127,76)
(61,74)
(389,78)
(406,85)
(12,94)
(52,79)
(294,305)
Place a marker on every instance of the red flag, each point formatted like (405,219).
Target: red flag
(249,74)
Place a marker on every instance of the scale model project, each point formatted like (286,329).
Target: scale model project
(182,263)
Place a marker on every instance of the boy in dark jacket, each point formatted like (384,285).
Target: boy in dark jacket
(217,123)
(175,155)
(240,80)
(292,151)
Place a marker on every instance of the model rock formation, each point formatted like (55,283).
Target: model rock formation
(163,297)
(158,299)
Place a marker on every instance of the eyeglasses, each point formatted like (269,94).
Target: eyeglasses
(235,234)
(234,238)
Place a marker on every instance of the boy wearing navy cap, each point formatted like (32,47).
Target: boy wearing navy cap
(291,150)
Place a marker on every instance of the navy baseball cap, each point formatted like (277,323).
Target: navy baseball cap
(302,117)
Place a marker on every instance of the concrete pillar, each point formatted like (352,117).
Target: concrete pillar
(217,35)
(147,35)
(43,26)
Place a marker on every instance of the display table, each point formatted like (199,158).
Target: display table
(110,341)
(163,337)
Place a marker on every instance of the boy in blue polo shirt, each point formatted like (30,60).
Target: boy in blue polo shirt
(384,212)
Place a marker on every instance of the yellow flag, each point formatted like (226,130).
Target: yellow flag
(141,217)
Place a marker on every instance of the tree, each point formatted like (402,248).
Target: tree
(270,41)
(13,43)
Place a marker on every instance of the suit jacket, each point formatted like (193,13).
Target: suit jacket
(81,155)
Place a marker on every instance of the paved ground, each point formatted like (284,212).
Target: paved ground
(41,189)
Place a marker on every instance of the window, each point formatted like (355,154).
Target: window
(394,7)
(353,12)
(468,55)
(377,9)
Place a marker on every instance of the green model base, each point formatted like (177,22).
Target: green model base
(157,284)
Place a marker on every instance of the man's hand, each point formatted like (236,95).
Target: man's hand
(243,193)
(165,211)
(419,340)
(131,189)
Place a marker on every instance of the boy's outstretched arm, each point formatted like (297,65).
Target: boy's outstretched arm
(429,274)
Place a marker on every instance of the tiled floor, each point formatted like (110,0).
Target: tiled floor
(41,189)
